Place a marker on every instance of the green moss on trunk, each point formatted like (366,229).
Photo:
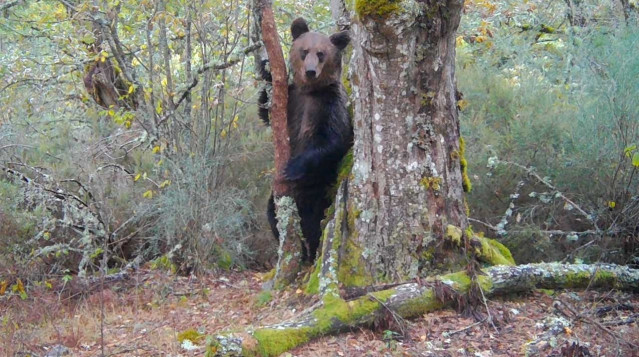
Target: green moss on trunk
(487,250)
(335,313)
(468,186)
(378,8)
(493,252)
(420,305)
(350,271)
(312,286)
(454,234)
(581,279)
(275,341)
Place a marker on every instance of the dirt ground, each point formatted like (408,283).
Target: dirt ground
(152,313)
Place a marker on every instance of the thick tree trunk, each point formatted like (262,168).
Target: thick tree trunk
(406,186)
(332,316)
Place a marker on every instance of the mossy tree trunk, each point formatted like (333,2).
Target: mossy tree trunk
(405,193)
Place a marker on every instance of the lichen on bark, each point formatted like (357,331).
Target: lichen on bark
(290,250)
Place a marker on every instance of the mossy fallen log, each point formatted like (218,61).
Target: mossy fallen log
(334,315)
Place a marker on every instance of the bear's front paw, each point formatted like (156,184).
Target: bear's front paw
(295,169)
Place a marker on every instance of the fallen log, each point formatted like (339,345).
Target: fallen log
(333,315)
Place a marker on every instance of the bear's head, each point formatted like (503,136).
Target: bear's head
(316,59)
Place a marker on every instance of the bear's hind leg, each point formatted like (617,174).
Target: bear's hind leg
(272,220)
(312,215)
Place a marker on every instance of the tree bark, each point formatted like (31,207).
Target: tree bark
(332,316)
(406,187)
(340,15)
(290,250)
(279,100)
(105,82)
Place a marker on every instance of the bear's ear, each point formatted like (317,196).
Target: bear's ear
(340,39)
(298,27)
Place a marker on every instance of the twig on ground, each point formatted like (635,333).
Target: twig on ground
(465,328)
(626,321)
(579,316)
(398,319)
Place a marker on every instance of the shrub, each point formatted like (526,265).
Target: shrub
(573,123)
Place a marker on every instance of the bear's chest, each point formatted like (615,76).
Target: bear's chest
(307,115)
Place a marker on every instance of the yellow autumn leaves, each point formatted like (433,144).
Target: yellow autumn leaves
(233,125)
(148,194)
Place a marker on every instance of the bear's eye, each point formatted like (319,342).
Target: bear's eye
(304,53)
(320,56)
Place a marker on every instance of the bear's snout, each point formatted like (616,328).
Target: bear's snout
(311,74)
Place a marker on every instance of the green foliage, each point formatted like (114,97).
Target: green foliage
(562,102)
(163,263)
(17,224)
(263,298)
(207,225)
(391,337)
(128,164)
(24,230)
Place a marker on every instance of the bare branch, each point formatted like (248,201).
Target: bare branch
(10,4)
(215,66)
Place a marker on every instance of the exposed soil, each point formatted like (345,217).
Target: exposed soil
(145,315)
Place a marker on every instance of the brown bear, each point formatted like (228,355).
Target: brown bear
(319,126)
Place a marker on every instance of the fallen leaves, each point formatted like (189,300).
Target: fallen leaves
(145,316)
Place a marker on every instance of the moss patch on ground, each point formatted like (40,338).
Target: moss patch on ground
(191,335)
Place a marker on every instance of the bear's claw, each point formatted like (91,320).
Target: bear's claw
(295,169)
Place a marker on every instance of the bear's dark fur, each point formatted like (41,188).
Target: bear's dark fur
(319,126)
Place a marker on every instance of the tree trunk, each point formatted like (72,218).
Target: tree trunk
(288,221)
(405,192)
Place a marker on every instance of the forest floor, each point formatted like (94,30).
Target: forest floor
(150,313)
